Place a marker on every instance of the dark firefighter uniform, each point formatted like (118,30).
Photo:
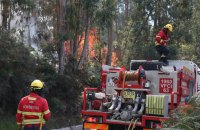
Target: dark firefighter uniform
(33,109)
(161,42)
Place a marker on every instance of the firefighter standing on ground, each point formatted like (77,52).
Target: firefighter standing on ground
(33,109)
(162,38)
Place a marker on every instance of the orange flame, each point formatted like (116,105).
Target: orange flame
(91,54)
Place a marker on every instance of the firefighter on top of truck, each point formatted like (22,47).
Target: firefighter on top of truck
(33,109)
(162,38)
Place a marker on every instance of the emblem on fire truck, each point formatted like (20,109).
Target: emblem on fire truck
(111,84)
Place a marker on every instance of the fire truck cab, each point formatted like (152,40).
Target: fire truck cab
(139,98)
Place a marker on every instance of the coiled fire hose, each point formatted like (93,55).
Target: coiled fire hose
(128,76)
(124,78)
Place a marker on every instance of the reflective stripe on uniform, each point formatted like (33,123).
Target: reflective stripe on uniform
(162,55)
(32,113)
(32,98)
(19,123)
(32,121)
(156,43)
(18,111)
(46,112)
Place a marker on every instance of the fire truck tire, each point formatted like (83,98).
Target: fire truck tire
(147,65)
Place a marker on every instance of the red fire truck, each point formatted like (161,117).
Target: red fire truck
(140,98)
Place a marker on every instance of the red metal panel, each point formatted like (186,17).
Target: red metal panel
(152,118)
(84,95)
(95,113)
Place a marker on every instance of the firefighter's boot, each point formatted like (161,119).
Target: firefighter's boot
(165,61)
(161,59)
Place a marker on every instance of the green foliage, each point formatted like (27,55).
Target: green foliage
(186,51)
(90,6)
(195,25)
(93,70)
(58,107)
(105,13)
(8,123)
(16,69)
(25,4)
(181,12)
(174,52)
(19,67)
(135,36)
(65,94)
(186,117)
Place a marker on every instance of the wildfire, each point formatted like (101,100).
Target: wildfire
(92,52)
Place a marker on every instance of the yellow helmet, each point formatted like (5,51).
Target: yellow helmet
(37,84)
(169,27)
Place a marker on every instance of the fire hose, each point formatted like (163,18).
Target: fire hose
(41,120)
(114,101)
(129,127)
(124,78)
(128,76)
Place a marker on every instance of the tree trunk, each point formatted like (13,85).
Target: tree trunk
(5,13)
(10,17)
(159,10)
(156,17)
(85,46)
(28,25)
(76,37)
(110,40)
(75,43)
(61,27)
(126,8)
